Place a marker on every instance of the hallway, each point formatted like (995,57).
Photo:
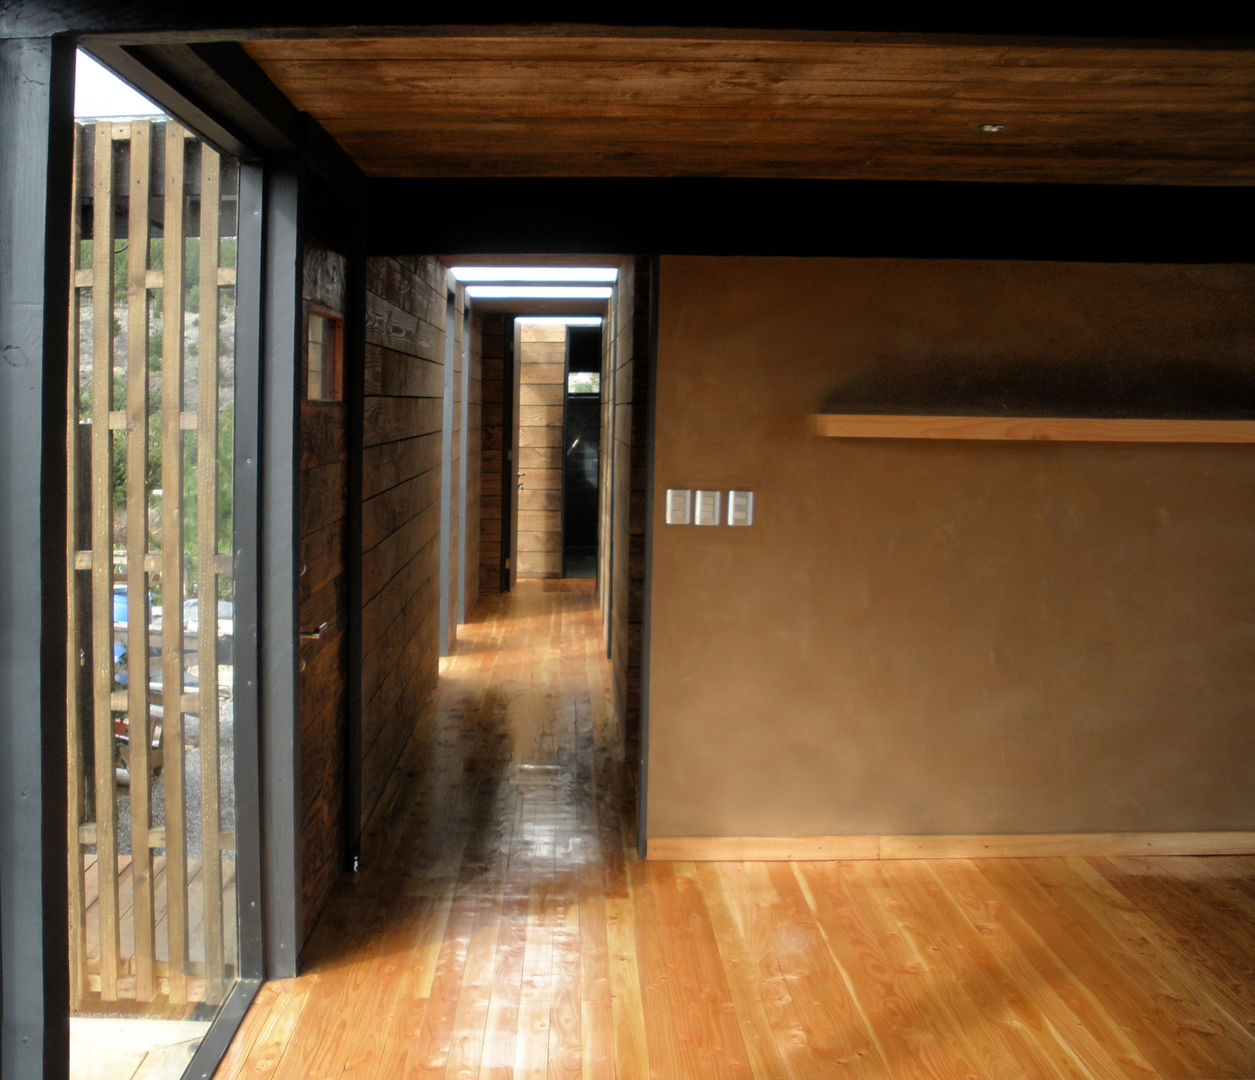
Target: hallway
(502,925)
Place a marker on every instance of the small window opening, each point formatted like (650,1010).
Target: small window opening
(325,357)
(583,382)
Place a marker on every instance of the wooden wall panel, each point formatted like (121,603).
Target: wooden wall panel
(474,460)
(492,433)
(323,523)
(542,374)
(629,388)
(405,319)
(454,571)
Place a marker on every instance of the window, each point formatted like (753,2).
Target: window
(324,356)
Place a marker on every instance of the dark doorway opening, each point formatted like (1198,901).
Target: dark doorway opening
(581,451)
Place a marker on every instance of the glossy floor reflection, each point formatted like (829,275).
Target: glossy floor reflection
(503,927)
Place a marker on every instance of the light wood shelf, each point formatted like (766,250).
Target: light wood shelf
(1031,428)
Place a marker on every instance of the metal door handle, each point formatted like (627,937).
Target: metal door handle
(315,635)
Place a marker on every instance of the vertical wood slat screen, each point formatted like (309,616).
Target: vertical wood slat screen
(147,916)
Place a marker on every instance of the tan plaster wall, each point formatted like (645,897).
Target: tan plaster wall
(943,637)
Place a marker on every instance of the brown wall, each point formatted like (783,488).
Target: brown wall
(541,398)
(628,384)
(323,596)
(492,419)
(474,465)
(405,321)
(943,637)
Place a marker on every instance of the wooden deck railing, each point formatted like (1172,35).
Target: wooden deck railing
(152,317)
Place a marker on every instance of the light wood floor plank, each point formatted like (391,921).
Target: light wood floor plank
(502,925)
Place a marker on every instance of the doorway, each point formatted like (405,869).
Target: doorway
(581,453)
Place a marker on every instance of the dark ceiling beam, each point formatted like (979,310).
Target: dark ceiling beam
(813,217)
(240,19)
(215,88)
(219,91)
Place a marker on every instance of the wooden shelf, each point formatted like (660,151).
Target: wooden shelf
(1031,428)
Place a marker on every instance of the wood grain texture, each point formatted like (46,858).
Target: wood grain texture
(492,442)
(405,318)
(541,378)
(627,376)
(1031,428)
(322,775)
(502,925)
(589,105)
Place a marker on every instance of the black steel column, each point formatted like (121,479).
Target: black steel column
(279,690)
(36,134)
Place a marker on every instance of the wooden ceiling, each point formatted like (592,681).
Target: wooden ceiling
(583,105)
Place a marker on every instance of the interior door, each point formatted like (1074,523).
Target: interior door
(323,592)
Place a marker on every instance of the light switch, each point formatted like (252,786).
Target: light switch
(740,508)
(707,509)
(679,506)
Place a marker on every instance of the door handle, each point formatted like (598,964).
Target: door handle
(315,635)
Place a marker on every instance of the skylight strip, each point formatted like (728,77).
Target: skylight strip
(524,274)
(539,292)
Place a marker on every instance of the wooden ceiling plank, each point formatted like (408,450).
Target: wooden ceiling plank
(596,105)
(331,81)
(652,50)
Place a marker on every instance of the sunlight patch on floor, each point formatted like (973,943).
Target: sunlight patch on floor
(103,1048)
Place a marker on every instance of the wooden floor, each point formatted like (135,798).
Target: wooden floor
(502,926)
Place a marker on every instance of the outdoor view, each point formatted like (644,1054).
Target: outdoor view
(152,919)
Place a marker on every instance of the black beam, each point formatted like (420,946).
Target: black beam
(46,17)
(249,515)
(278,617)
(36,117)
(218,90)
(816,217)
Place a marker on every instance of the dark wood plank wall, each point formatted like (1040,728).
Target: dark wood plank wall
(605,475)
(492,436)
(455,463)
(631,425)
(405,320)
(323,597)
(542,378)
(474,460)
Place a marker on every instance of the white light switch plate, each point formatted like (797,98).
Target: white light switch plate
(706,511)
(679,506)
(740,508)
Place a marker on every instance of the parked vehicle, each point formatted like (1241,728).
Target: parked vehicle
(156,711)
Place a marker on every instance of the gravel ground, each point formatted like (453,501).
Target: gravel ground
(192,784)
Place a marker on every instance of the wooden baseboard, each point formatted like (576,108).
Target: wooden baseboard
(991,846)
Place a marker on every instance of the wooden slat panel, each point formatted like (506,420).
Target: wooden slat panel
(172,359)
(136,551)
(207,583)
(102,549)
(1019,428)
